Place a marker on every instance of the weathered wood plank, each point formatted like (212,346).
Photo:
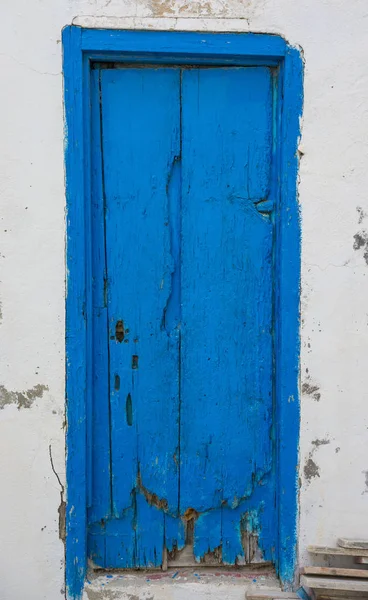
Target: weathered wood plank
(227,298)
(354,544)
(100,422)
(328,583)
(338,551)
(141,140)
(335,572)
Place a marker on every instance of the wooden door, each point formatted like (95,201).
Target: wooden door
(182,448)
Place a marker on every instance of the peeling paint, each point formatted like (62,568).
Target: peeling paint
(311,389)
(23,399)
(190,514)
(361,243)
(311,469)
(365,473)
(323,442)
(218,522)
(213,556)
(162,8)
(152,499)
(362,214)
(200,8)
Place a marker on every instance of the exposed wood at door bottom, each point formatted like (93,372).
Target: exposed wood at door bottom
(186,556)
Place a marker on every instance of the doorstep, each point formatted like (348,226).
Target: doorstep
(179,584)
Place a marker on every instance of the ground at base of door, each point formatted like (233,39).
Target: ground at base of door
(179,584)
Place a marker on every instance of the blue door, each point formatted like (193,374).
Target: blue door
(181,443)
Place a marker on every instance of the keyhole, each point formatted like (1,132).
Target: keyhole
(119,331)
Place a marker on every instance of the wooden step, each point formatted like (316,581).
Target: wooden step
(335,572)
(336,551)
(334,584)
(270,595)
(353,544)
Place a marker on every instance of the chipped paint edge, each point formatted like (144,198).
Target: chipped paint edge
(288,334)
(76,347)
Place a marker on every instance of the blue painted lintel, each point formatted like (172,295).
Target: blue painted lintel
(180,43)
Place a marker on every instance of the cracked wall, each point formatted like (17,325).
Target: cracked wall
(334,206)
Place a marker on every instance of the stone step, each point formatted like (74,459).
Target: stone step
(270,595)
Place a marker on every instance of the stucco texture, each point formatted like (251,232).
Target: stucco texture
(334,210)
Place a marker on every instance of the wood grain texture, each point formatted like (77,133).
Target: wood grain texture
(140,116)
(100,421)
(335,572)
(338,551)
(185,279)
(226,352)
(340,584)
(80,47)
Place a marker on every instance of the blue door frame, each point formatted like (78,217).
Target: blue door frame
(82,47)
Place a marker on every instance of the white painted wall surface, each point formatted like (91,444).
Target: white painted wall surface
(334,202)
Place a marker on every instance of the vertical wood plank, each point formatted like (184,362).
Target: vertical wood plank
(100,443)
(226,448)
(140,130)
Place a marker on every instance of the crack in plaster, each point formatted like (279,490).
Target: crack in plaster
(62,505)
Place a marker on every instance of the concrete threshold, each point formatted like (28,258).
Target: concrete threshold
(179,584)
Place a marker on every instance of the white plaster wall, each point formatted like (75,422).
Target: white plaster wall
(334,201)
